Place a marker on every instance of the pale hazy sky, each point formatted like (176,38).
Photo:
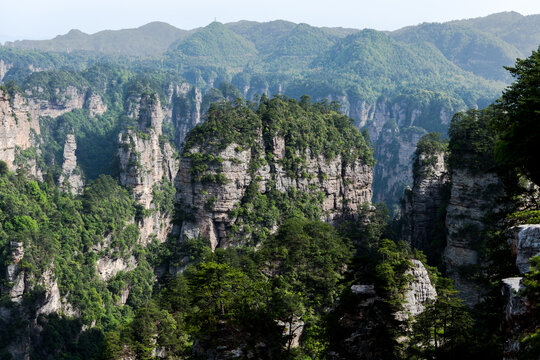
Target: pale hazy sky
(44,19)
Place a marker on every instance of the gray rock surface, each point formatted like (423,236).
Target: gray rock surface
(107,267)
(145,162)
(424,200)
(70,179)
(528,245)
(392,173)
(345,187)
(418,293)
(472,197)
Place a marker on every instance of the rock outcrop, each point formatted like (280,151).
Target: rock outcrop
(4,68)
(19,120)
(95,104)
(418,292)
(146,161)
(472,197)
(17,127)
(525,244)
(344,187)
(393,152)
(423,202)
(108,267)
(70,179)
(186,110)
(517,314)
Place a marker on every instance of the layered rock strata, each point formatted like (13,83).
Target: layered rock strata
(472,197)
(343,188)
(147,160)
(423,202)
(70,179)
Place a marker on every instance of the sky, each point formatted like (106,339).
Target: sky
(44,19)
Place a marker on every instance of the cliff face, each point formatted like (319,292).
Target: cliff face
(342,189)
(20,126)
(147,161)
(361,325)
(70,179)
(227,175)
(4,68)
(419,291)
(423,202)
(393,152)
(520,313)
(16,127)
(472,198)
(185,110)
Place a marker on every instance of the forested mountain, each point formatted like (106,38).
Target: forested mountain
(148,40)
(211,194)
(415,77)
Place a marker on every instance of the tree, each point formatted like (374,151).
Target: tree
(519,120)
(443,330)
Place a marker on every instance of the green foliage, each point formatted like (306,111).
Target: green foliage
(443,330)
(472,141)
(61,233)
(479,52)
(526,216)
(518,121)
(214,45)
(427,149)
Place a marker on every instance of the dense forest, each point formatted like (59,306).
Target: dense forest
(159,202)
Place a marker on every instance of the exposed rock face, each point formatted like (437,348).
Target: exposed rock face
(145,162)
(472,197)
(186,110)
(423,202)
(12,272)
(292,331)
(19,120)
(344,187)
(107,267)
(527,246)
(95,105)
(16,127)
(392,173)
(419,291)
(4,68)
(516,314)
(70,179)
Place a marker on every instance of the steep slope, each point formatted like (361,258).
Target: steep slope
(236,184)
(150,39)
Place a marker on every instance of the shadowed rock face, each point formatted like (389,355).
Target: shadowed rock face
(19,123)
(422,204)
(527,245)
(343,188)
(472,198)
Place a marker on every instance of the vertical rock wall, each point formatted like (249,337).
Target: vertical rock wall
(146,160)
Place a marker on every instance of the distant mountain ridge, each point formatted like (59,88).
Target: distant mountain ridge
(147,40)
(397,85)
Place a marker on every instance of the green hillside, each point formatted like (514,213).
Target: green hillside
(472,50)
(150,39)
(214,45)
(521,31)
